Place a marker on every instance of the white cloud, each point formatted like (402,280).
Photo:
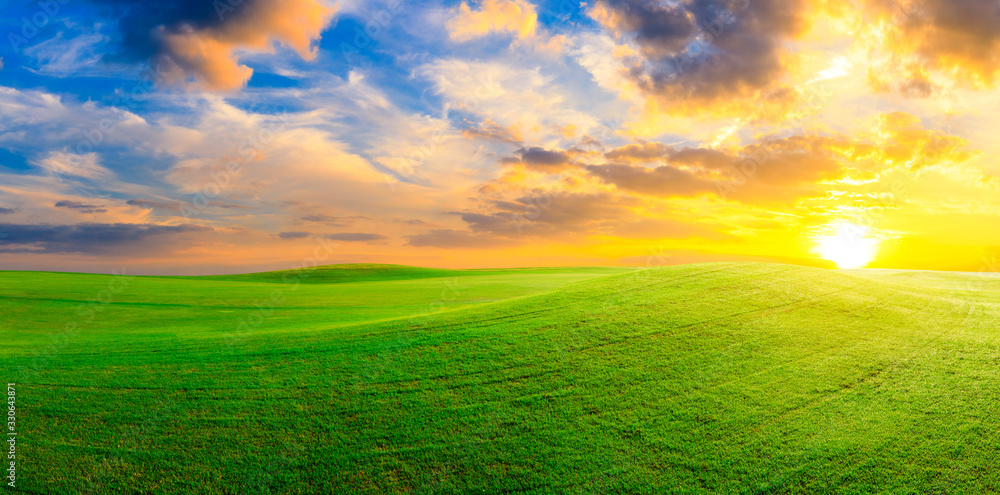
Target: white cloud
(509,95)
(84,166)
(71,57)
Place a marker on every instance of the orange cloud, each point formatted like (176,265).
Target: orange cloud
(772,170)
(903,141)
(205,57)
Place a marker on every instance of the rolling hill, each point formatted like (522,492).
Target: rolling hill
(711,378)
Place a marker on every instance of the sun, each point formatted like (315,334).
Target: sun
(851,246)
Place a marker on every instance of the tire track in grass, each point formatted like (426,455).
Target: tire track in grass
(508,319)
(857,465)
(693,326)
(534,314)
(864,378)
(787,476)
(782,365)
(800,301)
(817,401)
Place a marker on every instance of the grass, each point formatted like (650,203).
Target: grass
(713,378)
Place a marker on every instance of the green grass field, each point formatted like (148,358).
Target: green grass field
(711,378)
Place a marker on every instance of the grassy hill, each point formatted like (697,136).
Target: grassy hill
(714,378)
(368,272)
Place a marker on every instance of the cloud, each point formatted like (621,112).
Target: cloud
(177,206)
(155,204)
(455,239)
(550,213)
(707,57)
(929,43)
(660,29)
(663,181)
(527,99)
(8,211)
(84,166)
(639,152)
(904,142)
(346,236)
(493,16)
(93,238)
(323,218)
(491,130)
(566,216)
(293,235)
(198,43)
(356,237)
(540,159)
(771,169)
(81,207)
(71,57)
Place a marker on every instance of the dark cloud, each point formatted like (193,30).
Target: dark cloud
(660,29)
(344,236)
(93,238)
(74,205)
(356,237)
(455,239)
(155,204)
(541,159)
(325,219)
(659,152)
(177,206)
(731,56)
(550,213)
(7,211)
(719,56)
(228,206)
(293,235)
(81,207)
(412,221)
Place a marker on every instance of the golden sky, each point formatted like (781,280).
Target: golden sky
(502,133)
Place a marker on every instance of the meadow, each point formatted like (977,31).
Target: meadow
(374,379)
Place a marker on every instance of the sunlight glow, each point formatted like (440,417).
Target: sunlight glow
(850,246)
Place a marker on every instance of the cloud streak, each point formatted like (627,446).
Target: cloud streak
(93,238)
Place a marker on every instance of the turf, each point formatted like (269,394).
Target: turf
(714,378)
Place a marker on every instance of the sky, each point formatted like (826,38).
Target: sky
(223,136)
